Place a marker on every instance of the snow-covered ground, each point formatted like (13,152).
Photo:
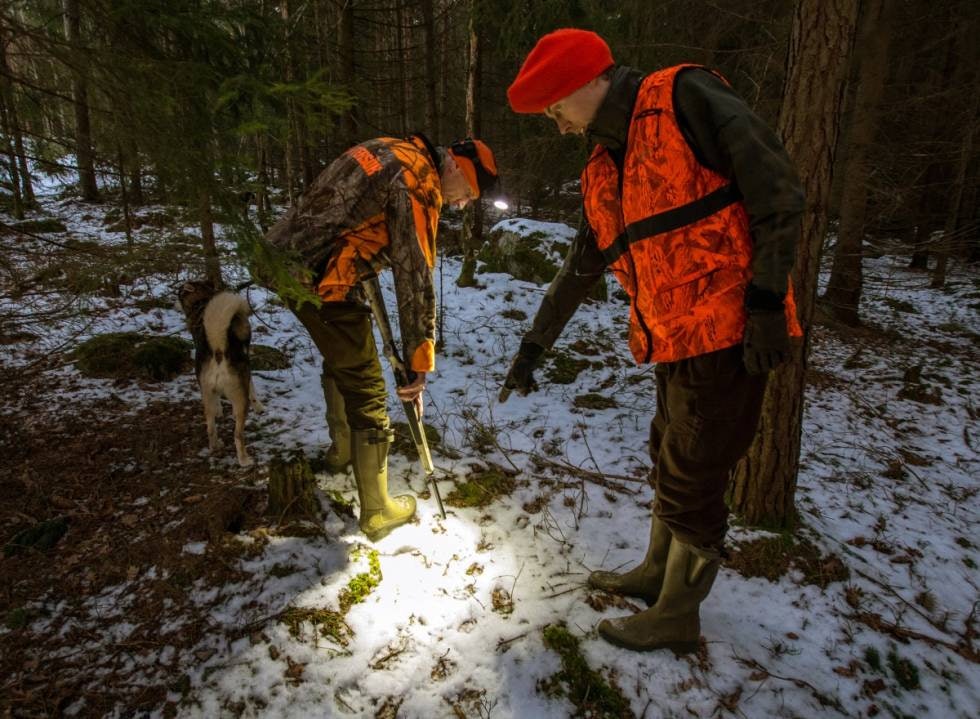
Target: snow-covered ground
(888,484)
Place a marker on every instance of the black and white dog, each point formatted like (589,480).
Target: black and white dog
(218,322)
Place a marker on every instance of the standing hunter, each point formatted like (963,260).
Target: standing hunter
(692,203)
(376,206)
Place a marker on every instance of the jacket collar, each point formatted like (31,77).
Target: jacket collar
(422,142)
(610,127)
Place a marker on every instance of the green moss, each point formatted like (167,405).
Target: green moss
(873,659)
(904,671)
(41,537)
(130,354)
(162,358)
(520,257)
(772,557)
(481,488)
(591,400)
(44,224)
(563,368)
(403,443)
(267,359)
(327,622)
(283,570)
(587,689)
(901,305)
(19,618)
(361,585)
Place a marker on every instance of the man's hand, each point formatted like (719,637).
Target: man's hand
(521,375)
(412,392)
(765,345)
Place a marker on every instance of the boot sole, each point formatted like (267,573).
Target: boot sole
(385,531)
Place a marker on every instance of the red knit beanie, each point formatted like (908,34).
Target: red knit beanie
(559,64)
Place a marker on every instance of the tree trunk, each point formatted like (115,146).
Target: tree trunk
(764,483)
(348,123)
(429,29)
(843,295)
(212,265)
(947,244)
(292,489)
(472,236)
(400,63)
(20,176)
(83,131)
(18,208)
(292,151)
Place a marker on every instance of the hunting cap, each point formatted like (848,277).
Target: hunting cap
(560,63)
(477,163)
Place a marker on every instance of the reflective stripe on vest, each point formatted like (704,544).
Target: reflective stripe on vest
(672,220)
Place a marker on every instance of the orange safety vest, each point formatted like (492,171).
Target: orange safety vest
(674,233)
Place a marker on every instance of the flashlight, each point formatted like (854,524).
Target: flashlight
(501,204)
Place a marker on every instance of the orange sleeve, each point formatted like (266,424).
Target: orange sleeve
(424,357)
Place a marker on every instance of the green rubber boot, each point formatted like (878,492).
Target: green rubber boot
(674,622)
(645,580)
(380,513)
(338,456)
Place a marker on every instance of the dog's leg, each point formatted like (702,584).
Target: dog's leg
(254,398)
(239,406)
(212,409)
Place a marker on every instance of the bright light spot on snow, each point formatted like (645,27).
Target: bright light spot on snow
(501,205)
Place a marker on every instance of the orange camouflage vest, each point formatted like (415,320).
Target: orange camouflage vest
(369,237)
(674,233)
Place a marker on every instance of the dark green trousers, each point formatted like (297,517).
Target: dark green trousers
(707,413)
(342,333)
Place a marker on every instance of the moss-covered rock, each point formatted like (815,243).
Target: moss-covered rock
(267,359)
(162,358)
(532,257)
(481,488)
(132,355)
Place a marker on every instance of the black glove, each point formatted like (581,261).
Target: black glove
(521,375)
(765,345)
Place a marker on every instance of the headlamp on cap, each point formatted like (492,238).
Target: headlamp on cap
(476,161)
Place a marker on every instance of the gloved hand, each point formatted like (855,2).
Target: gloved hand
(521,375)
(765,345)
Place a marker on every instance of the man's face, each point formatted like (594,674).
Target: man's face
(574,113)
(456,189)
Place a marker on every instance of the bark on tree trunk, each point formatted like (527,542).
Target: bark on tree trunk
(472,236)
(212,266)
(429,29)
(20,176)
(401,76)
(764,483)
(947,243)
(348,124)
(18,207)
(83,131)
(843,295)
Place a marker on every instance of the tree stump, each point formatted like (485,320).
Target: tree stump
(291,489)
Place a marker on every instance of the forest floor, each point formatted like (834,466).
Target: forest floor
(156,584)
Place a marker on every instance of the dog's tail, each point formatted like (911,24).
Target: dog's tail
(226,313)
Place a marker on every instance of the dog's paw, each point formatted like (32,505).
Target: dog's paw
(246,461)
(257,406)
(216,445)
